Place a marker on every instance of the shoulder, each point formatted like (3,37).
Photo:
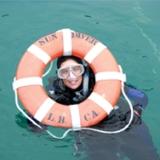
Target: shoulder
(136,95)
(57,91)
(55,85)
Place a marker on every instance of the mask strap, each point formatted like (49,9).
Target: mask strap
(85,79)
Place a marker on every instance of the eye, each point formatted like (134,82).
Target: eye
(77,69)
(64,71)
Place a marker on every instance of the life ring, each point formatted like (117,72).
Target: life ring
(34,98)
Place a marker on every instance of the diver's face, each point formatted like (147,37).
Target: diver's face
(73,79)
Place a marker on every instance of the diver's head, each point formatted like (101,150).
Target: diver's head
(70,70)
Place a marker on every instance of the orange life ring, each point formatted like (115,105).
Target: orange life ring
(66,42)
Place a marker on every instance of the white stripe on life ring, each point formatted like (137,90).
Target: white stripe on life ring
(94,52)
(27,82)
(67,42)
(75,116)
(110,76)
(103,103)
(39,53)
(44,109)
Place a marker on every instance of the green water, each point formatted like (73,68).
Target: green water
(129,28)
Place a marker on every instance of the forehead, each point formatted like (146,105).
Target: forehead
(69,62)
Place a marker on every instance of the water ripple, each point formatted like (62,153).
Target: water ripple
(143,19)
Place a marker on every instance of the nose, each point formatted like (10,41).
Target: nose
(71,76)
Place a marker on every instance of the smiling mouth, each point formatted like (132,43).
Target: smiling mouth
(73,82)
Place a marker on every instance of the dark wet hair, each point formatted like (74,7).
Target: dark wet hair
(62,59)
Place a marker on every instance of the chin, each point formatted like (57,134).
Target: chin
(73,86)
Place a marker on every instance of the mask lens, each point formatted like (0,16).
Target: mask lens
(77,70)
(63,73)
